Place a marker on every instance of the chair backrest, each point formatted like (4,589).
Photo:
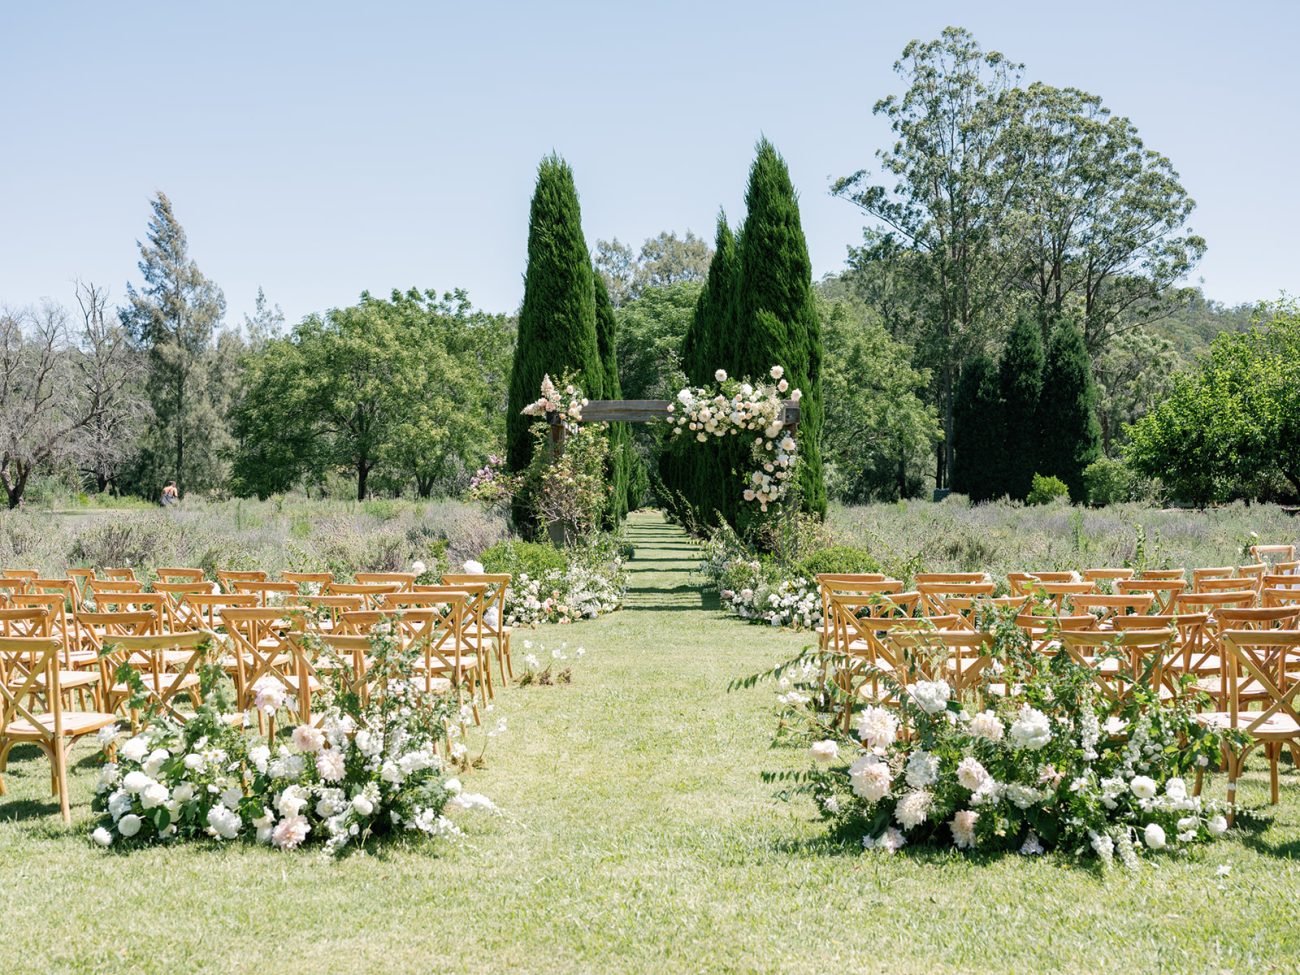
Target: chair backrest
(369,592)
(308,578)
(55,609)
(957,656)
(403,579)
(268,593)
(168,664)
(969,608)
(118,575)
(1163,575)
(204,608)
(1197,602)
(179,574)
(1281,596)
(1023,582)
(499,583)
(8,587)
(1106,606)
(1273,553)
(29,684)
(935,595)
(260,637)
(1166,590)
(25,621)
(322,610)
(101,628)
(1258,618)
(1232,583)
(20,574)
(227,577)
(1262,666)
(98,586)
(1143,656)
(944,577)
(134,602)
(1107,574)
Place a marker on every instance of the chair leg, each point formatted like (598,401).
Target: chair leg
(505,650)
(1274,758)
(1234,769)
(59,758)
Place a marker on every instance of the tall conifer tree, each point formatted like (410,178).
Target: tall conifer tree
(1020,378)
(1069,435)
(775,320)
(977,442)
(557,323)
(620,438)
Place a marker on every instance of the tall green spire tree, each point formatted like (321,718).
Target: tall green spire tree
(1020,379)
(621,457)
(976,440)
(1069,435)
(557,323)
(174,316)
(775,320)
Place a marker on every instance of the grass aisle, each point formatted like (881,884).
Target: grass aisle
(635,836)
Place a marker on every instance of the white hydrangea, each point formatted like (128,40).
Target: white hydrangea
(912,810)
(870,778)
(922,769)
(877,727)
(1031,730)
(931,696)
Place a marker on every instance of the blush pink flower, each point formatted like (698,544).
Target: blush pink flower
(329,765)
(290,832)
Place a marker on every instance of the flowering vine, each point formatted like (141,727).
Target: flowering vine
(568,406)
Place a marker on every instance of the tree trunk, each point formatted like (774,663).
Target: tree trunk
(363,472)
(423,486)
(14,489)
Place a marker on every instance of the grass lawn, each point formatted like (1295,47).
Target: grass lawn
(636,835)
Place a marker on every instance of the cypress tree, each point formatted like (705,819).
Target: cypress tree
(775,321)
(976,441)
(1020,379)
(1069,435)
(620,458)
(557,323)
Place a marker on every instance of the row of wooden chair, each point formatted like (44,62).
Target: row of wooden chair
(59,663)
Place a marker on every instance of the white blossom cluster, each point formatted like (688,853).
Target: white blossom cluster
(568,406)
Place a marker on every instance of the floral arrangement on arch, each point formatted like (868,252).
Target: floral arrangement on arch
(368,768)
(734,407)
(1039,760)
(568,405)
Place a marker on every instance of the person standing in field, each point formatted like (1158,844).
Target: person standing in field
(170,495)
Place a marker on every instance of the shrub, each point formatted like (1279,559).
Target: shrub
(1046,490)
(1110,481)
(533,558)
(837,558)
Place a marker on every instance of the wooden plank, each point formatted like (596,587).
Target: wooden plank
(644,410)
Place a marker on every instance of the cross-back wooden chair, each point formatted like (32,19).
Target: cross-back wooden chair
(1163,575)
(405,580)
(970,608)
(1060,595)
(227,577)
(28,574)
(309,583)
(112,587)
(1107,575)
(260,650)
(1260,671)
(936,595)
(1259,619)
(1122,660)
(1022,582)
(32,711)
(945,577)
(179,574)
(1107,606)
(80,579)
(12,587)
(202,610)
(168,665)
(177,614)
(321,659)
(100,628)
(855,649)
(1255,572)
(1211,602)
(1273,553)
(1235,583)
(268,593)
(1165,590)
(1211,572)
(1044,631)
(474,630)
(323,613)
(494,617)
(125,574)
(956,656)
(828,582)
(369,592)
(134,602)
(37,619)
(1279,589)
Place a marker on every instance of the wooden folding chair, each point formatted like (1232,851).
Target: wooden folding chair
(956,656)
(847,582)
(1273,553)
(118,575)
(494,617)
(1122,660)
(1044,632)
(168,665)
(12,587)
(925,578)
(935,595)
(227,577)
(474,630)
(1211,572)
(31,709)
(1165,590)
(26,574)
(1163,575)
(369,592)
(1231,584)
(1109,576)
(177,614)
(179,574)
(855,646)
(309,583)
(1022,582)
(1261,666)
(268,593)
(261,650)
(1106,606)
(404,580)
(970,608)
(322,613)
(1211,602)
(202,610)
(80,579)
(112,587)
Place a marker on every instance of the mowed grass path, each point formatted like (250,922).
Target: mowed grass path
(636,836)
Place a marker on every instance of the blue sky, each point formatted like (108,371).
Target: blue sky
(321,149)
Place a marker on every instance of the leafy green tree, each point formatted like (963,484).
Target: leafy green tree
(1069,437)
(651,330)
(663,260)
(1133,374)
(775,321)
(879,432)
(175,315)
(1233,421)
(1020,379)
(978,441)
(557,323)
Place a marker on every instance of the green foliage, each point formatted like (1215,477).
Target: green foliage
(976,433)
(1112,481)
(557,323)
(621,455)
(410,387)
(1069,438)
(1046,490)
(837,558)
(879,433)
(1232,424)
(174,316)
(518,557)
(664,261)
(1020,380)
(775,321)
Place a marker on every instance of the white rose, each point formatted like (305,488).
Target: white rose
(931,696)
(1154,836)
(824,752)
(183,792)
(194,762)
(154,794)
(988,725)
(777,372)
(720,375)
(1176,789)
(971,774)
(129,825)
(418,567)
(1144,787)
(136,782)
(135,749)
(922,769)
(1031,730)
(102,836)
(1217,825)
(362,806)
(154,763)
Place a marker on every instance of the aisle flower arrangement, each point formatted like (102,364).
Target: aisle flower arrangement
(1042,762)
(369,768)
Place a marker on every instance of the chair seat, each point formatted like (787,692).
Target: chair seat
(1277,726)
(489,630)
(68,679)
(167,681)
(434,665)
(75,724)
